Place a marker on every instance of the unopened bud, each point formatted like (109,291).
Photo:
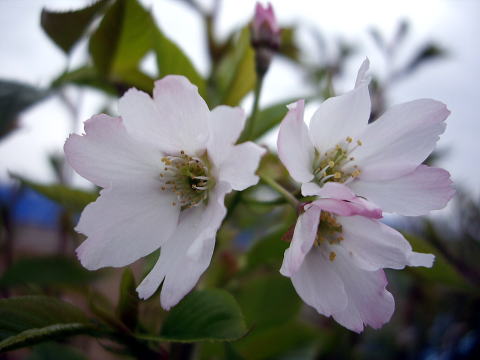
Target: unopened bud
(265,37)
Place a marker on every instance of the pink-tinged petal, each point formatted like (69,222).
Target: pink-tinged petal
(211,219)
(332,192)
(302,241)
(108,155)
(239,169)
(356,206)
(413,194)
(341,116)
(368,301)
(400,140)
(225,125)
(178,271)
(294,146)
(124,225)
(176,119)
(319,286)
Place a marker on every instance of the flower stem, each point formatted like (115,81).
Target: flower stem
(280,189)
(247,132)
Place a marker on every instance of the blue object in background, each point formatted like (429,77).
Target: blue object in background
(28,207)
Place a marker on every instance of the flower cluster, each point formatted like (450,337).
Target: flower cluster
(356,170)
(166,164)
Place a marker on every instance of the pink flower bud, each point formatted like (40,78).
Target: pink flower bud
(265,28)
(265,37)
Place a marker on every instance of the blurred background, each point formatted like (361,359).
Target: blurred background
(417,49)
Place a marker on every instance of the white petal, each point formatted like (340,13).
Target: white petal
(187,253)
(342,116)
(319,286)
(416,193)
(373,245)
(294,146)
(420,259)
(225,124)
(400,140)
(212,217)
(362,77)
(311,189)
(176,119)
(240,167)
(302,241)
(123,226)
(329,190)
(108,155)
(369,303)
(179,271)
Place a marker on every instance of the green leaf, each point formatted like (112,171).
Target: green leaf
(66,28)
(72,199)
(205,315)
(127,308)
(16,97)
(53,351)
(85,76)
(288,46)
(29,320)
(237,75)
(172,60)
(122,39)
(136,78)
(268,301)
(268,118)
(46,271)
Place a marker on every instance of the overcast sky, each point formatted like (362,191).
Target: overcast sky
(26,54)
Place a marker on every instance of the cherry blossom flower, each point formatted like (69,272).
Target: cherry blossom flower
(380,161)
(353,170)
(165,166)
(337,255)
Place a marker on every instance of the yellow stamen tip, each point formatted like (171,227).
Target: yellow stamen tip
(359,142)
(349,139)
(337,175)
(331,163)
(332,256)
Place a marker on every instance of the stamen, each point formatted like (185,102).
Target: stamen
(334,165)
(187,177)
(332,256)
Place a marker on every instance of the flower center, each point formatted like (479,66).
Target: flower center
(188,177)
(336,164)
(329,230)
